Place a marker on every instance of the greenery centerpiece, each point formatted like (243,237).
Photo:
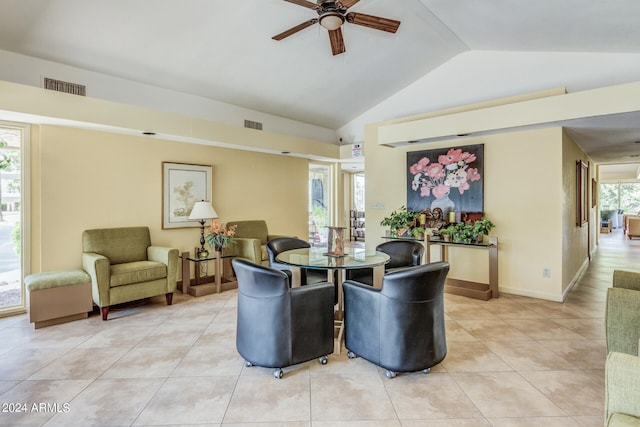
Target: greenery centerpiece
(219,236)
(447,233)
(400,221)
(463,232)
(481,227)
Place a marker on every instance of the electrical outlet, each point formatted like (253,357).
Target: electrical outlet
(546,272)
(377,205)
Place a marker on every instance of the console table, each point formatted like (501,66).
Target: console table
(210,284)
(483,291)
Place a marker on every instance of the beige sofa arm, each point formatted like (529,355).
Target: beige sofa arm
(626,279)
(245,247)
(99,268)
(622,320)
(168,257)
(622,387)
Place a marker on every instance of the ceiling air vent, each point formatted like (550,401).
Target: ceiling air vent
(252,125)
(66,87)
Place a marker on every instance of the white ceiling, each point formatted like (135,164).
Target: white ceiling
(223,50)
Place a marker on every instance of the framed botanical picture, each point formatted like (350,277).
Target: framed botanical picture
(182,185)
(582,193)
(447,178)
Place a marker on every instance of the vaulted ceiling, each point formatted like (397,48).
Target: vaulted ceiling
(223,50)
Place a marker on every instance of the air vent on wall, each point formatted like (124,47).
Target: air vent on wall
(252,125)
(66,87)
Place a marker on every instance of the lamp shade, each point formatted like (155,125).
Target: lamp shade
(331,21)
(202,210)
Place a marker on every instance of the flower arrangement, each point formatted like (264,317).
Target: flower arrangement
(219,236)
(451,171)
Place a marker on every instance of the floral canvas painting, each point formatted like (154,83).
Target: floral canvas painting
(448,178)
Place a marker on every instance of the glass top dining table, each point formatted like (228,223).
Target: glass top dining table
(317,258)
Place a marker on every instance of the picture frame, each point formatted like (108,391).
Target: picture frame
(183,184)
(582,193)
(451,179)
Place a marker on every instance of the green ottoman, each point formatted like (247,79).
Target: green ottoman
(58,297)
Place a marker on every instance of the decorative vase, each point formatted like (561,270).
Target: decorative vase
(444,203)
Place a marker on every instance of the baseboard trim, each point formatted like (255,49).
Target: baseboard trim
(530,294)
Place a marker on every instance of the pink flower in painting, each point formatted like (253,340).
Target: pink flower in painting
(440,191)
(452,157)
(435,171)
(473,175)
(462,187)
(419,167)
(467,157)
(452,170)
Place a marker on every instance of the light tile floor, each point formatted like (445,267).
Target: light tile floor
(512,361)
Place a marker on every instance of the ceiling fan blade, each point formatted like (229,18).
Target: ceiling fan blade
(304,3)
(295,29)
(337,42)
(348,3)
(375,22)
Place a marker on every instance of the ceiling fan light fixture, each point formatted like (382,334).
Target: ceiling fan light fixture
(331,20)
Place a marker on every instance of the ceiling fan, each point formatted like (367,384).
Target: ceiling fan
(331,15)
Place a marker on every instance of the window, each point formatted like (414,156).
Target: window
(320,206)
(12,217)
(622,195)
(358,192)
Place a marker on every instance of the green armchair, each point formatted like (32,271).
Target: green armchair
(622,390)
(251,239)
(124,266)
(623,313)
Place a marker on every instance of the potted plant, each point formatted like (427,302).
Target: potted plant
(418,232)
(482,227)
(400,221)
(463,233)
(446,233)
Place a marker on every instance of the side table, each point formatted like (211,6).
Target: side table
(211,284)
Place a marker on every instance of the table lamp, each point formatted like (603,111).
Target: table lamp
(201,212)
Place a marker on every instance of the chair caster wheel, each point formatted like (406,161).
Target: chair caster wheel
(248,364)
(391,374)
(426,371)
(323,360)
(351,355)
(277,373)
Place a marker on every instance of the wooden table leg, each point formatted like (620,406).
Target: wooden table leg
(296,276)
(186,276)
(340,279)
(218,271)
(493,267)
(378,273)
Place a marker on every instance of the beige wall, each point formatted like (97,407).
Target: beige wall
(524,196)
(88,179)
